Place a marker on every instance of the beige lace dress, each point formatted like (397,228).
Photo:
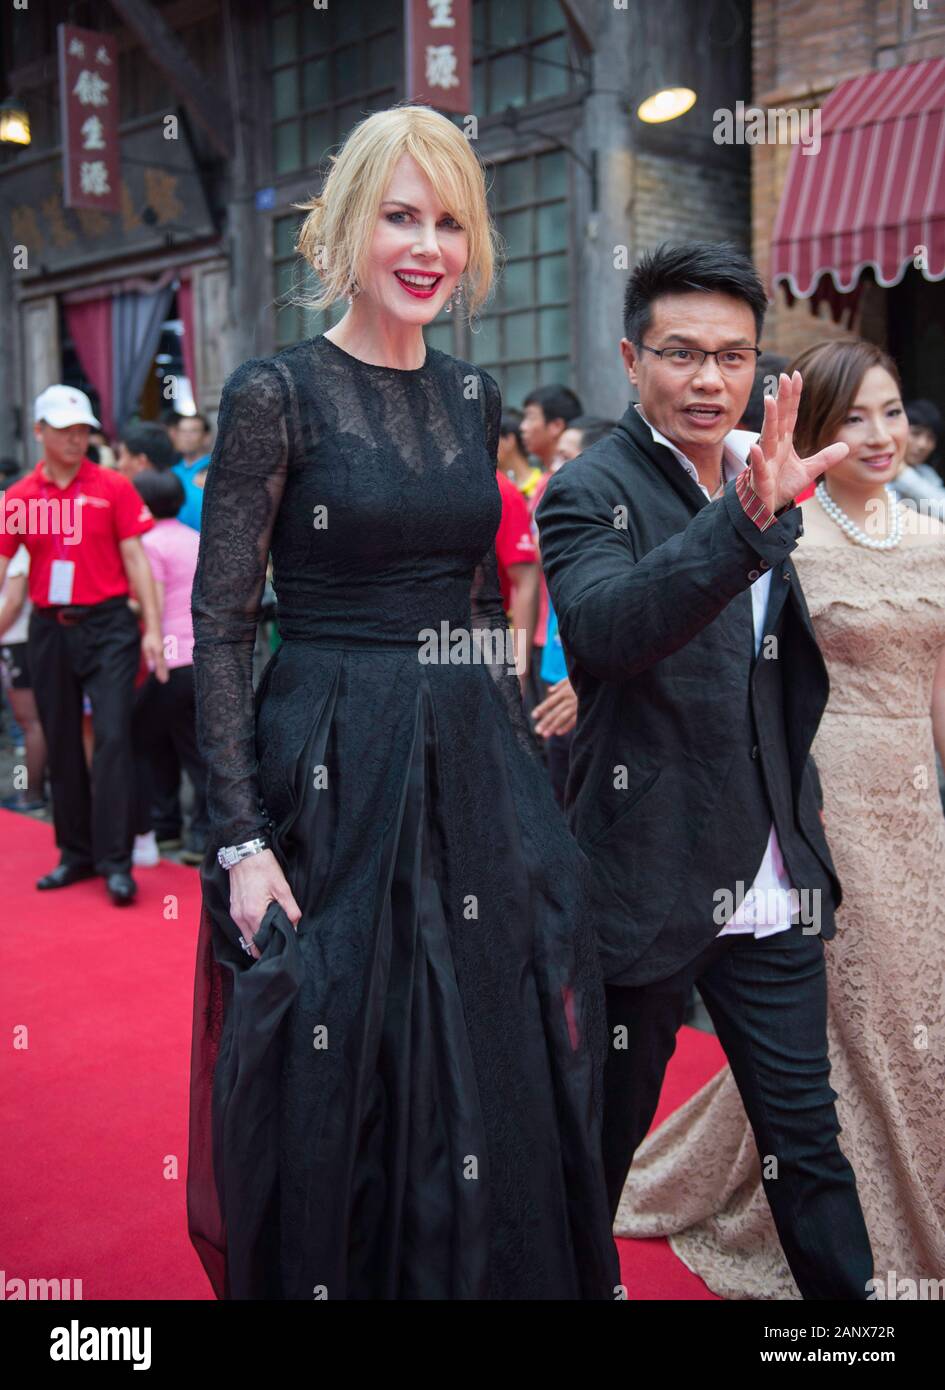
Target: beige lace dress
(880,620)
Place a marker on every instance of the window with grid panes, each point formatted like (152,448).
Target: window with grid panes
(293,277)
(524,329)
(329,68)
(520,53)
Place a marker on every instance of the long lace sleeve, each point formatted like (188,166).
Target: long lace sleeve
(486,595)
(244,487)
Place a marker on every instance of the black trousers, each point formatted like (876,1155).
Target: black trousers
(768,1000)
(163,731)
(165,808)
(91,815)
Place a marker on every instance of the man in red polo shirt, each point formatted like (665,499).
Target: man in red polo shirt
(82,526)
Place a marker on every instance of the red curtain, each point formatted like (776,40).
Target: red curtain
(185,308)
(90,328)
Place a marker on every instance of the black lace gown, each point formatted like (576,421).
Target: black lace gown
(403,1099)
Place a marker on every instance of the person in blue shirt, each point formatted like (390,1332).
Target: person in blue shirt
(190,436)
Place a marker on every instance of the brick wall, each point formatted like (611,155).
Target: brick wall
(676,200)
(801,50)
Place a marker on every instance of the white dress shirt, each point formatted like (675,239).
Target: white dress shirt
(767,906)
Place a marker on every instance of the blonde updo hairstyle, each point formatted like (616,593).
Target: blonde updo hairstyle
(336,235)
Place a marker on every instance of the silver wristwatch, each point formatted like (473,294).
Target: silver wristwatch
(232,854)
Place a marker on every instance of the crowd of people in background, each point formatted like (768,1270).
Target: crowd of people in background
(166,462)
(103,731)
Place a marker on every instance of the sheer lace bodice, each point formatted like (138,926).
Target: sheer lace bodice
(345,470)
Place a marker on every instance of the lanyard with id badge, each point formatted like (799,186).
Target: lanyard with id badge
(62,571)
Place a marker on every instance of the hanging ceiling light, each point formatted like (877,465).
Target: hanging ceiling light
(666,105)
(14,122)
(667,66)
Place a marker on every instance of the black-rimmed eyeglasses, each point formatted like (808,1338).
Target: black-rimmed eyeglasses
(688,361)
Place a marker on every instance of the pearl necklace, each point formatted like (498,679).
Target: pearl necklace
(850,528)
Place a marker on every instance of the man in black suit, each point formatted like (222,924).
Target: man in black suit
(666,549)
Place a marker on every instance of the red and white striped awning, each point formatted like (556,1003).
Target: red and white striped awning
(874,192)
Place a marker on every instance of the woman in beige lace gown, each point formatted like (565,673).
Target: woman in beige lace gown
(879,615)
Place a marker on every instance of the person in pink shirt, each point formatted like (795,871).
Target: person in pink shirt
(164,717)
(144,446)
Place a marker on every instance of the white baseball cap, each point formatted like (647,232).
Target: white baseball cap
(61,406)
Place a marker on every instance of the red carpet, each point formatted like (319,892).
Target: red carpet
(96,1012)
(649,1268)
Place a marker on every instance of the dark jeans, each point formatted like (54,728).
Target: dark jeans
(92,815)
(164,735)
(768,1000)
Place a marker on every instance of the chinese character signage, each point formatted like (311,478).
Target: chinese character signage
(88,94)
(161,202)
(439,53)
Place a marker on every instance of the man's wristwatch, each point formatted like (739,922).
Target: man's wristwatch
(232,854)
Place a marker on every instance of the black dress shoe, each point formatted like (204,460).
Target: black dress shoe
(122,888)
(64,874)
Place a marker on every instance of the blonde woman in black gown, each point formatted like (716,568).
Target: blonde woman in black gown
(398,1027)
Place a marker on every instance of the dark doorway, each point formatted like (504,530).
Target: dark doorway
(916,328)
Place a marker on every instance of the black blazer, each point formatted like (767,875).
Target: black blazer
(686,746)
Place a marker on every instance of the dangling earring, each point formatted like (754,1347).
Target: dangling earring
(353,289)
(455,298)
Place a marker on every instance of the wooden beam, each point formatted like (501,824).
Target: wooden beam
(210,110)
(179,15)
(581,23)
